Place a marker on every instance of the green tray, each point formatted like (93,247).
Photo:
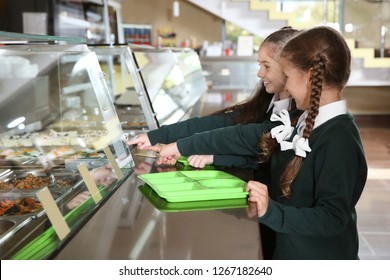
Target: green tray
(164,206)
(183,160)
(195,185)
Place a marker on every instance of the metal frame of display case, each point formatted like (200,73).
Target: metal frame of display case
(128,74)
(174,79)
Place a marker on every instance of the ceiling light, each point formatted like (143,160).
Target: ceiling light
(176,8)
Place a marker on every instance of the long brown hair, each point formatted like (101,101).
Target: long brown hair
(323,51)
(254,109)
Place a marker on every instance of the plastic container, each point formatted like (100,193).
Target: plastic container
(195,185)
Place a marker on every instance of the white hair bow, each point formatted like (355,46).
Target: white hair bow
(283,131)
(299,144)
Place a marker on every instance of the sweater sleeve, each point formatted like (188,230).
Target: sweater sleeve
(232,140)
(171,133)
(236,161)
(334,177)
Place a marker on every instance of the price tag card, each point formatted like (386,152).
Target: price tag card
(113,162)
(53,213)
(88,180)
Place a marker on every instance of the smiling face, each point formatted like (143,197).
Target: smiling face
(298,84)
(270,71)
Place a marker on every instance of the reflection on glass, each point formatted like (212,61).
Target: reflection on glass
(54,105)
(125,87)
(174,81)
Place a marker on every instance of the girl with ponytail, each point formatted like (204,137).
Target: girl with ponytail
(320,170)
(317,161)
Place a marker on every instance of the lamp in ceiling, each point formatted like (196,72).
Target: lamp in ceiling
(176,8)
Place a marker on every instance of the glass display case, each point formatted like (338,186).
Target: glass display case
(194,83)
(60,133)
(229,73)
(151,86)
(126,86)
(174,81)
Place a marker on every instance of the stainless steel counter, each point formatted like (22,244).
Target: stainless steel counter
(129,226)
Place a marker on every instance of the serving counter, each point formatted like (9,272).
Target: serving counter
(138,226)
(60,138)
(132,222)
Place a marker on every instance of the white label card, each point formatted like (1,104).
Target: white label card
(113,162)
(53,213)
(88,180)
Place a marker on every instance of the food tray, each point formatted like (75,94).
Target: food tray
(195,185)
(164,206)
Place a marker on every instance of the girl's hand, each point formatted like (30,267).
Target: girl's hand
(258,193)
(251,210)
(141,140)
(167,154)
(200,161)
(143,167)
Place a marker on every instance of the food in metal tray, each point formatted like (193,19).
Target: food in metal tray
(19,206)
(6,185)
(19,153)
(21,140)
(32,182)
(65,182)
(27,183)
(55,138)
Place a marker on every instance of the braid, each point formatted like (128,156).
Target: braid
(295,164)
(268,145)
(316,89)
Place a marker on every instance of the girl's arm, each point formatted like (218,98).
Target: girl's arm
(173,132)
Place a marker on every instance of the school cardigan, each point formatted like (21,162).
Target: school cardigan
(319,220)
(171,133)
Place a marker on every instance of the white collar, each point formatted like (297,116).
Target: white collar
(279,105)
(329,111)
(325,113)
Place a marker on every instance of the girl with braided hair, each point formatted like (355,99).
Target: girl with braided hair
(320,170)
(268,97)
(318,166)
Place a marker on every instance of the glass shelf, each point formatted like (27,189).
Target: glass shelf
(19,38)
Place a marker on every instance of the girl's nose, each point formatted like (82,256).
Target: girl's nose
(260,73)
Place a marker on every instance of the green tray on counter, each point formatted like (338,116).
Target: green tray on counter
(195,185)
(164,206)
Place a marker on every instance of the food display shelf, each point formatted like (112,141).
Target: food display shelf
(59,131)
(22,213)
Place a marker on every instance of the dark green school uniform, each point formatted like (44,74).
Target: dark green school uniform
(171,133)
(253,169)
(319,220)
